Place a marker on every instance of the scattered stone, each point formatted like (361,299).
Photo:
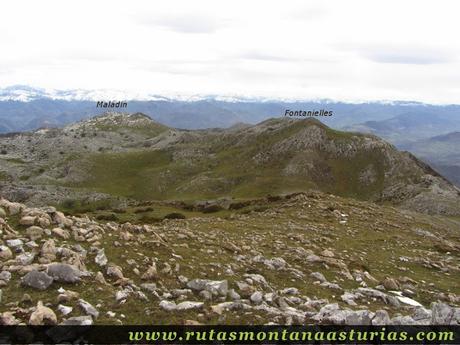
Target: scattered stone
(67,296)
(15,244)
(115,272)
(5,253)
(5,276)
(150,287)
(233,295)
(290,291)
(328,253)
(88,308)
(381,318)
(64,273)
(25,259)
(111,314)
(216,287)
(27,220)
(349,298)
(48,250)
(187,305)
(78,321)
(122,295)
(7,319)
(64,234)
(206,295)
(318,276)
(100,258)
(60,219)
(359,317)
(257,297)
(390,284)
(26,299)
(151,273)
(443,314)
(65,310)
(168,305)
(37,280)
(406,300)
(42,316)
(422,316)
(275,263)
(34,232)
(100,278)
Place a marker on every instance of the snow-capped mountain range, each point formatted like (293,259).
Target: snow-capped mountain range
(26,93)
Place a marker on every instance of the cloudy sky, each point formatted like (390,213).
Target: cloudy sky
(343,50)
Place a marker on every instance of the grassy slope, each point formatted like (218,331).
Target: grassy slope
(228,170)
(374,239)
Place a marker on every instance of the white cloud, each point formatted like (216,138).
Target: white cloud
(352,50)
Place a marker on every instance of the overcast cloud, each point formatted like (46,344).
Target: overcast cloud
(343,50)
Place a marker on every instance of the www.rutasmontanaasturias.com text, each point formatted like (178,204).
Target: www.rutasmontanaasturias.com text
(307,113)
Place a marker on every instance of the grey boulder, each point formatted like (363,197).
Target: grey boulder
(64,273)
(37,280)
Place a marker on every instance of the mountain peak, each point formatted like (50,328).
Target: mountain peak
(113,120)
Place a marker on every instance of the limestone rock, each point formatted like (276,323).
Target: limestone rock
(27,220)
(5,253)
(101,259)
(34,232)
(187,305)
(64,234)
(151,273)
(390,284)
(257,297)
(64,273)
(318,276)
(115,272)
(78,321)
(216,287)
(88,308)
(443,314)
(37,280)
(7,319)
(65,310)
(42,316)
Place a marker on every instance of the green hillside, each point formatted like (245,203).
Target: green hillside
(225,166)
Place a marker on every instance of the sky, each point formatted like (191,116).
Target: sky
(342,50)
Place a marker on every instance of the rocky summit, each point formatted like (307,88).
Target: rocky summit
(296,259)
(124,157)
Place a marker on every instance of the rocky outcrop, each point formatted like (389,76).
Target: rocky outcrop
(241,268)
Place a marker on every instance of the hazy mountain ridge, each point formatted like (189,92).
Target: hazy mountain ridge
(24,108)
(412,126)
(131,156)
(441,152)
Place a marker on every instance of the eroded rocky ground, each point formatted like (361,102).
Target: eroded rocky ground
(303,258)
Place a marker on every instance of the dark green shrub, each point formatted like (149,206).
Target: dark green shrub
(175,215)
(112,217)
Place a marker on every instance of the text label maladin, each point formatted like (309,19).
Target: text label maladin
(111,104)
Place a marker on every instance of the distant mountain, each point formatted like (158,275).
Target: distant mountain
(132,156)
(25,108)
(442,152)
(414,125)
